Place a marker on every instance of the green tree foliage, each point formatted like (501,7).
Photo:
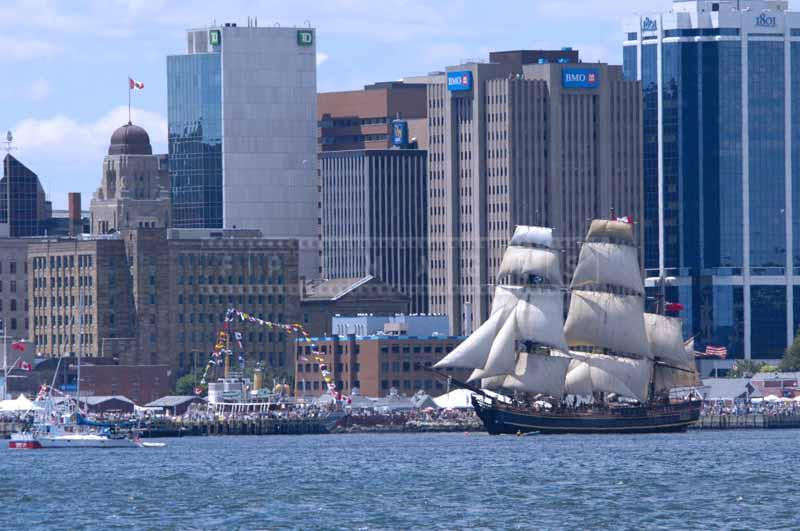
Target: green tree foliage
(186,384)
(745,368)
(791,358)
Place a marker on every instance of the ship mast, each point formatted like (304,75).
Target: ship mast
(605,326)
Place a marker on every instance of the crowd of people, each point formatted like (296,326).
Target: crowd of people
(748,407)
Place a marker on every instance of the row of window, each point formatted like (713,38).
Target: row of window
(408,385)
(62,302)
(350,122)
(64,339)
(231,280)
(67,282)
(58,320)
(63,261)
(350,139)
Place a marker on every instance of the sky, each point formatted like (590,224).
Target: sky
(66,63)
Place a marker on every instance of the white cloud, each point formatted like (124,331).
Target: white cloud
(595,9)
(67,154)
(62,137)
(321,58)
(39,90)
(21,49)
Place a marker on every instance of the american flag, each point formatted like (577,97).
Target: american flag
(719,352)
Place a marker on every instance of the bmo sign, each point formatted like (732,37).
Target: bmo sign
(459,81)
(580,78)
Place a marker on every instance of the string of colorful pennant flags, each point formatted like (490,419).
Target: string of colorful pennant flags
(225,335)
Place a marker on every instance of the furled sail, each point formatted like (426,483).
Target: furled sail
(613,231)
(605,320)
(537,319)
(540,265)
(473,351)
(590,373)
(537,373)
(665,335)
(667,378)
(533,236)
(608,264)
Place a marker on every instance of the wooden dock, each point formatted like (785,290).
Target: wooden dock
(747,422)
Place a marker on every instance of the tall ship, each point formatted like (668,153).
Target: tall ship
(608,368)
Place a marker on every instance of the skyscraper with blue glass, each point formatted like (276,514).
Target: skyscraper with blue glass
(242,133)
(721,82)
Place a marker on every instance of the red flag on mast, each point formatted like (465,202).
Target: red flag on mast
(133,84)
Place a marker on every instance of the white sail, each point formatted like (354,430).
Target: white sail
(537,318)
(590,373)
(608,264)
(537,236)
(614,231)
(473,351)
(494,383)
(667,378)
(542,264)
(605,320)
(536,373)
(665,335)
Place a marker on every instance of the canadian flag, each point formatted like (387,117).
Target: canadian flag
(25,366)
(18,345)
(133,84)
(626,219)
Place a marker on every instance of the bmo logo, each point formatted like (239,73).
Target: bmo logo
(459,81)
(580,78)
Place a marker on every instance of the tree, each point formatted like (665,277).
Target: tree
(186,384)
(745,368)
(791,358)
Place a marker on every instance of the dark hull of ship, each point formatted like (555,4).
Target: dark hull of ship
(657,418)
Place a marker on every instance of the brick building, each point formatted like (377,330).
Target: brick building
(14,286)
(158,296)
(376,364)
(362,119)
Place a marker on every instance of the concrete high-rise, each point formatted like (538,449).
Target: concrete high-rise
(242,133)
(373,178)
(375,220)
(527,138)
(721,81)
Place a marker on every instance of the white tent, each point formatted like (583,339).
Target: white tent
(462,399)
(18,404)
(771,398)
(455,399)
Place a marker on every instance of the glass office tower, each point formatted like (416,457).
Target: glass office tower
(195,139)
(721,82)
(29,208)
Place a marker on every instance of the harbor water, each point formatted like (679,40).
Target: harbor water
(697,480)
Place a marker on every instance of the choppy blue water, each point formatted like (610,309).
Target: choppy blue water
(699,480)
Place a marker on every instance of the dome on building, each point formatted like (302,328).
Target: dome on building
(130,140)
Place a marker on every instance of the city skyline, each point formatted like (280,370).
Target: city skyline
(62,123)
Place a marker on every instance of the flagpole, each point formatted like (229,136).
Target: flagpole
(5,358)
(129,99)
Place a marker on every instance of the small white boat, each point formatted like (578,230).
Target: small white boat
(152,445)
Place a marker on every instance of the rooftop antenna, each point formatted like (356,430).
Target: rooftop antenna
(8,147)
